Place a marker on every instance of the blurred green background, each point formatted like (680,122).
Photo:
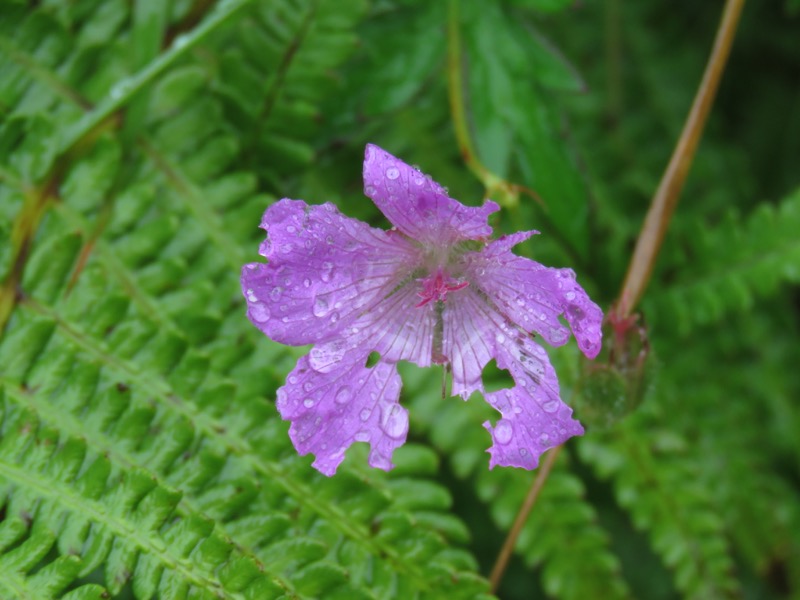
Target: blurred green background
(140,451)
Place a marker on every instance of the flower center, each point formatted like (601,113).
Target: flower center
(436,286)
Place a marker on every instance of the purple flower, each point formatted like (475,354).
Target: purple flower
(433,289)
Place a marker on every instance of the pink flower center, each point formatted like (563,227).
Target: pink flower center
(436,286)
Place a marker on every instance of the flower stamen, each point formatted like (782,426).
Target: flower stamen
(435,287)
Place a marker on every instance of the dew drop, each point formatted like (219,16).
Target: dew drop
(306,282)
(503,431)
(365,413)
(180,41)
(544,438)
(307,386)
(334,318)
(379,461)
(395,421)
(285,319)
(500,338)
(276,293)
(523,452)
(251,295)
(320,308)
(570,295)
(327,271)
(259,313)
(291,229)
(292,379)
(392,173)
(120,89)
(343,395)
(361,436)
(308,402)
(370,190)
(550,406)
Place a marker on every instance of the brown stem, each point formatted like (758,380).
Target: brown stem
(533,493)
(669,189)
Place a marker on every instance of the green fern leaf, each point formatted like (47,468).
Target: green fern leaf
(733,264)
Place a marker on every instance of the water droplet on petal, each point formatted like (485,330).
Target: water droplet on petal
(291,229)
(523,452)
(307,386)
(334,317)
(259,313)
(544,438)
(308,402)
(292,379)
(570,295)
(276,293)
(503,431)
(392,173)
(550,406)
(395,421)
(361,436)
(251,295)
(320,308)
(327,271)
(500,338)
(365,413)
(343,395)
(306,282)
(370,190)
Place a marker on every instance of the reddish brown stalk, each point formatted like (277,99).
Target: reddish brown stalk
(527,506)
(669,189)
(650,238)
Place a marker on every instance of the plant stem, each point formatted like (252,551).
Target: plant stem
(668,193)
(530,500)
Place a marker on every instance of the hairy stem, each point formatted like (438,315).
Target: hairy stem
(669,189)
(530,500)
(505,192)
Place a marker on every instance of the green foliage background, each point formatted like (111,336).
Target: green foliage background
(140,451)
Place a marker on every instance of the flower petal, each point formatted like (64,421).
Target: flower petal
(534,296)
(324,271)
(418,206)
(395,327)
(330,411)
(534,418)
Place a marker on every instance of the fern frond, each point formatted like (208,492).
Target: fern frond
(562,535)
(727,267)
(658,480)
(160,467)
